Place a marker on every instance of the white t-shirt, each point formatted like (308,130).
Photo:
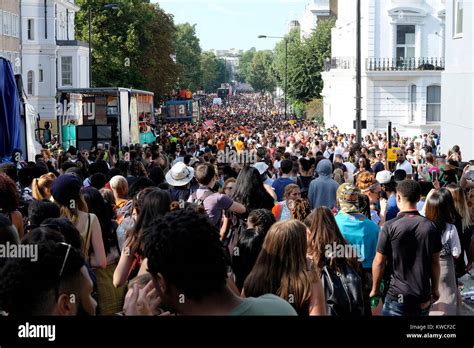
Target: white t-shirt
(406,166)
(450,241)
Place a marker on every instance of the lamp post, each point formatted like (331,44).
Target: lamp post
(286,67)
(358,77)
(106,7)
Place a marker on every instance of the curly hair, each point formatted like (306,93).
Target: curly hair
(29,288)
(301,209)
(9,193)
(365,180)
(185,248)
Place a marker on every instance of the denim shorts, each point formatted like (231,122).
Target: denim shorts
(394,308)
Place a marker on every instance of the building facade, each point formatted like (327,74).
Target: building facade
(52,58)
(402,49)
(10,45)
(457,81)
(315,11)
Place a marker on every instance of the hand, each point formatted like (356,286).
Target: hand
(469,267)
(141,301)
(374,293)
(434,295)
(436,184)
(383,205)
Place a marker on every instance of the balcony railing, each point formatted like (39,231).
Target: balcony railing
(339,63)
(405,64)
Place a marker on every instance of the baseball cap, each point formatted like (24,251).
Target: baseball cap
(384,177)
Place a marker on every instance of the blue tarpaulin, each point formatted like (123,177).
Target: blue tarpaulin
(9,111)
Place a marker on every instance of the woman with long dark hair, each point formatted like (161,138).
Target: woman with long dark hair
(440,209)
(156,202)
(250,243)
(324,236)
(249,191)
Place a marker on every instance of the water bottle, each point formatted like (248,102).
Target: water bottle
(374,301)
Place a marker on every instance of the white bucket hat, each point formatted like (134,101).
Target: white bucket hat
(179,174)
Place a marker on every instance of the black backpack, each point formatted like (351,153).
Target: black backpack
(342,291)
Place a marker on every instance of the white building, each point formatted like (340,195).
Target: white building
(314,11)
(402,60)
(10,33)
(52,58)
(457,107)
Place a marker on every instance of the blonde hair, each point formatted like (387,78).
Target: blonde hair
(41,185)
(72,213)
(289,189)
(460,203)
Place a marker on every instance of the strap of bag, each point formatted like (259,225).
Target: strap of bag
(87,244)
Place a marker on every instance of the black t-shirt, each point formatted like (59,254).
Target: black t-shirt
(411,240)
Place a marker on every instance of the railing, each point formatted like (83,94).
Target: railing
(404,64)
(339,63)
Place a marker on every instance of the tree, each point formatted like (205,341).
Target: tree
(262,75)
(139,34)
(245,65)
(213,71)
(305,62)
(188,56)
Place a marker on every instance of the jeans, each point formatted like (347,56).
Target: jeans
(394,308)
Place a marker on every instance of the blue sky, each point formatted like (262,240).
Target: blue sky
(225,24)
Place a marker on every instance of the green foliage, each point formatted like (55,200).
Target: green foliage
(314,110)
(245,65)
(139,32)
(214,71)
(305,62)
(262,75)
(188,56)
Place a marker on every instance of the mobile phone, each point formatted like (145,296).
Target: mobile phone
(434,176)
(106,146)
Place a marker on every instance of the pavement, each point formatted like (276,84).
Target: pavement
(467,307)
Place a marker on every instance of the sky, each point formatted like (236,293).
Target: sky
(225,24)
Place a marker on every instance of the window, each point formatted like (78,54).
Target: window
(412,102)
(66,71)
(7,23)
(40,75)
(405,42)
(433,104)
(458,18)
(31,29)
(30,83)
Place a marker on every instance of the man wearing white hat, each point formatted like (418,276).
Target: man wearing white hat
(179,177)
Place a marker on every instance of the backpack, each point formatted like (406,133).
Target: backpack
(342,291)
(200,201)
(304,189)
(238,226)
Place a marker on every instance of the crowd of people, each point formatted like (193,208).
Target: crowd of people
(305,221)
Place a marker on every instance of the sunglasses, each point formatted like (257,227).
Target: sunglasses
(65,257)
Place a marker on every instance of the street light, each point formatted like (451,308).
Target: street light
(106,7)
(286,66)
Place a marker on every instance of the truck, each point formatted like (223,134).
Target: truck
(181,110)
(18,119)
(112,116)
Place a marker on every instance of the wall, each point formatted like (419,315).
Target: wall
(457,110)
